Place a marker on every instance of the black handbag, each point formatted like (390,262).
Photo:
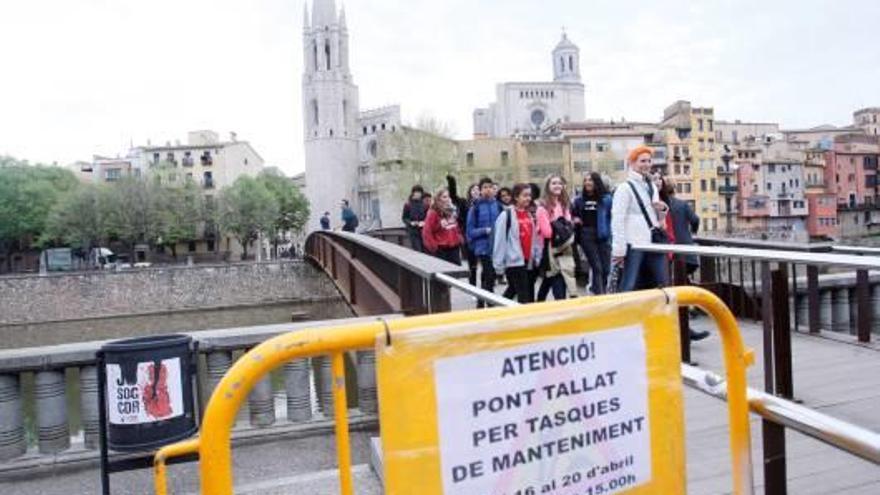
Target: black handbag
(658,235)
(563,231)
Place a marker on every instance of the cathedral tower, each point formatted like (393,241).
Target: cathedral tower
(330,112)
(566,61)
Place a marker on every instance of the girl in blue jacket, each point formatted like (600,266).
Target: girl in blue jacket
(591,214)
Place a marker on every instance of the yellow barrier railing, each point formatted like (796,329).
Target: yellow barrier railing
(213,444)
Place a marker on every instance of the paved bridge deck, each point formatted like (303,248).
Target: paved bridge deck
(837,378)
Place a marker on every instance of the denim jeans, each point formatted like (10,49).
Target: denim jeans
(643,270)
(556,283)
(598,254)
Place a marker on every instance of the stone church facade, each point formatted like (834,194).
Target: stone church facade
(527,108)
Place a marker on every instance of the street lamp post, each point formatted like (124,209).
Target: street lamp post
(726,156)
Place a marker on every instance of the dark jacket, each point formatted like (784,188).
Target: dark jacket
(684,223)
(413,211)
(462,204)
(349,220)
(603,215)
(480,222)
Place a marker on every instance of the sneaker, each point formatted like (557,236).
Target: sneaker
(698,335)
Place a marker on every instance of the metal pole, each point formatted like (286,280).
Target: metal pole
(863,306)
(813,298)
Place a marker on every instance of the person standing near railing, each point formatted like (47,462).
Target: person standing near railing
(637,217)
(349,218)
(413,217)
(441,235)
(591,215)
(516,245)
(464,207)
(480,222)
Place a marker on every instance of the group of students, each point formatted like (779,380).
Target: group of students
(528,233)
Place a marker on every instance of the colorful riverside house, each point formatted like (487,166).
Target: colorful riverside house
(851,175)
(690,136)
(822,204)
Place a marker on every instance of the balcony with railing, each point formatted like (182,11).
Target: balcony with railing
(727,190)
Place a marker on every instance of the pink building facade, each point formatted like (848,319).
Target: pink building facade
(851,171)
(822,222)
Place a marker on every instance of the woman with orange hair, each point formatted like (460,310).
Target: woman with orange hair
(637,217)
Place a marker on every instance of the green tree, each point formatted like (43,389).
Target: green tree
(79,218)
(292,206)
(246,208)
(181,210)
(27,195)
(132,210)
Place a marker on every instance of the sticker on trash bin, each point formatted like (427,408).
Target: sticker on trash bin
(153,394)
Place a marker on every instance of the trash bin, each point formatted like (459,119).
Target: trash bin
(149,391)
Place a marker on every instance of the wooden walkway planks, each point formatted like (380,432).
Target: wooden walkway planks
(841,380)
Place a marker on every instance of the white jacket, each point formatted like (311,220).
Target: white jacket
(628,225)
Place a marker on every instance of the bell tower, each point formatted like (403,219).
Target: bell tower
(566,61)
(330,112)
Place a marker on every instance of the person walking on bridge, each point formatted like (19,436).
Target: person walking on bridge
(592,217)
(349,218)
(516,245)
(557,232)
(480,223)
(413,217)
(638,217)
(441,235)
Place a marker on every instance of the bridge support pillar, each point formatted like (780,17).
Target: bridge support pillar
(826,319)
(88,387)
(366,377)
(12,442)
(803,311)
(325,385)
(875,306)
(261,403)
(217,364)
(840,310)
(297,385)
(53,433)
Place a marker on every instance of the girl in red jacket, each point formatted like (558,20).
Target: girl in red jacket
(441,234)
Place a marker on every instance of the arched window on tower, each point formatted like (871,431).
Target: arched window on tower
(561,64)
(314,112)
(327,53)
(571,63)
(315,56)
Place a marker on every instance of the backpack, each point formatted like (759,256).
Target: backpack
(563,231)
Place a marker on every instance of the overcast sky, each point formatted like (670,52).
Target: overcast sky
(79,77)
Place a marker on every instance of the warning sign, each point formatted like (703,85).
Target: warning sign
(562,416)
(152,393)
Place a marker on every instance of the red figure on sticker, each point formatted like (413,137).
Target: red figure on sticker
(157,402)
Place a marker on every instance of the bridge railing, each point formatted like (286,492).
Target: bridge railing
(761,288)
(49,395)
(378,277)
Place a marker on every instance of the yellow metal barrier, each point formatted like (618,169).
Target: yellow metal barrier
(214,447)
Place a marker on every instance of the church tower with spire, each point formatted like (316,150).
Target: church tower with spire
(330,112)
(566,61)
